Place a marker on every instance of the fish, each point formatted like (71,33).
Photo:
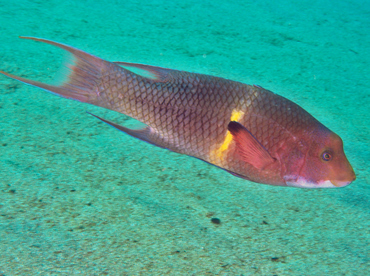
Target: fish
(246,130)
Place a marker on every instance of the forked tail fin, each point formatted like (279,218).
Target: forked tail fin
(83,81)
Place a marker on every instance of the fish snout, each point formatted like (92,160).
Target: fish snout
(344,181)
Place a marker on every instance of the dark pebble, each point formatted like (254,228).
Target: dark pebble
(216,220)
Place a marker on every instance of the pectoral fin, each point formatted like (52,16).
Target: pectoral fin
(142,134)
(249,148)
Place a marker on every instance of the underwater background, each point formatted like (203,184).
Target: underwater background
(79,197)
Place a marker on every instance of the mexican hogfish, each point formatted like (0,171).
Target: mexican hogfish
(246,130)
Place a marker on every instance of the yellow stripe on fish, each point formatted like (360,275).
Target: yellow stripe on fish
(217,155)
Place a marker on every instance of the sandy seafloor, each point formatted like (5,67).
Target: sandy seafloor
(80,198)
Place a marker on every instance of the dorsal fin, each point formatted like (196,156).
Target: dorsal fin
(147,71)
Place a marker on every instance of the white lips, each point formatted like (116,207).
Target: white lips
(303,183)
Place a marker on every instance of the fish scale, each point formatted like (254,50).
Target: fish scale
(245,129)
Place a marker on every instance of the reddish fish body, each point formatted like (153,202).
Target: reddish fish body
(247,130)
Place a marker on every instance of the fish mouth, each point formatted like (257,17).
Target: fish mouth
(344,181)
(339,184)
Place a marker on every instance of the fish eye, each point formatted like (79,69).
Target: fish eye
(326,156)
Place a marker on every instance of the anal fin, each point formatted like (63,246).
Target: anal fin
(142,134)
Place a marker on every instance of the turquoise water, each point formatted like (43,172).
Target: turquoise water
(78,197)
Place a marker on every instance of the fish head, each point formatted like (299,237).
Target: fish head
(319,162)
